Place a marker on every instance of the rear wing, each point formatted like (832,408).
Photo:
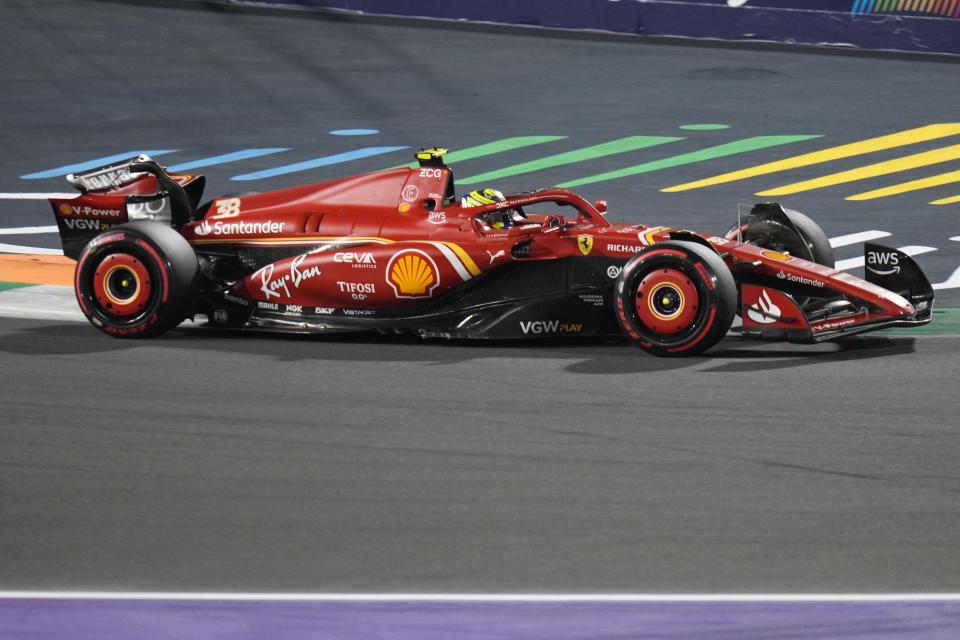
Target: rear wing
(134,189)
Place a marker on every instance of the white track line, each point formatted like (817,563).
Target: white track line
(17,248)
(482,597)
(957,238)
(36,196)
(17,231)
(850,263)
(855,238)
(953,282)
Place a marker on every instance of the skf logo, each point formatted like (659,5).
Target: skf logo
(888,262)
(412,274)
(585,244)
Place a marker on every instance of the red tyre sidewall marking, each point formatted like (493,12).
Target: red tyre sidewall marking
(161,267)
(108,267)
(703,332)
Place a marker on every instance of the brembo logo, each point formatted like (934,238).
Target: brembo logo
(549,326)
(891,262)
(219,228)
(764,311)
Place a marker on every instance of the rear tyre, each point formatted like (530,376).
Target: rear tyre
(137,280)
(676,299)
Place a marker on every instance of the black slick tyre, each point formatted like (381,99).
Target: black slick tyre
(676,298)
(137,280)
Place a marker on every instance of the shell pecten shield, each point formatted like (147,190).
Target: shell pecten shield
(412,274)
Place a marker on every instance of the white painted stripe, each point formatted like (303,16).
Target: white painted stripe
(452,259)
(850,263)
(34,313)
(17,231)
(856,238)
(953,282)
(36,196)
(483,597)
(16,248)
(957,238)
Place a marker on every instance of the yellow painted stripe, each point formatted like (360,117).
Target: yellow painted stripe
(465,258)
(870,145)
(912,185)
(950,200)
(944,154)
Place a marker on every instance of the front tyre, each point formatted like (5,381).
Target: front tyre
(137,280)
(676,298)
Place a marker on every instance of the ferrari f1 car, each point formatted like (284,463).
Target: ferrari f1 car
(397,251)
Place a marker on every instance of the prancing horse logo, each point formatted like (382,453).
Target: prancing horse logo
(585,244)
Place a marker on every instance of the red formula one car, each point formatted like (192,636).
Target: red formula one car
(396,251)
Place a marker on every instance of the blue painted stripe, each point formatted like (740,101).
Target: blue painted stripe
(93,164)
(366,152)
(855,9)
(353,132)
(243,154)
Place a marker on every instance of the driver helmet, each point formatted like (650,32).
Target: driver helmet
(481,197)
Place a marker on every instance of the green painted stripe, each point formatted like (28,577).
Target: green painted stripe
(719,151)
(623,145)
(946,320)
(6,286)
(490,148)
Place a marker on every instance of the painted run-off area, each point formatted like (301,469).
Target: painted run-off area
(583,159)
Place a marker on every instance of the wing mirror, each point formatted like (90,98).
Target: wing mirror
(601,206)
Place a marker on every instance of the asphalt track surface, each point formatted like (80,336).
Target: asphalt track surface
(209,461)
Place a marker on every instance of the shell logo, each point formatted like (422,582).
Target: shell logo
(412,274)
(65,209)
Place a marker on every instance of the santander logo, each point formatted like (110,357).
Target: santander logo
(764,311)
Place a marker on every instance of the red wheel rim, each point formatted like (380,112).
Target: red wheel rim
(122,285)
(667,301)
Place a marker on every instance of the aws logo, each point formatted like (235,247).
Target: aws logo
(883,263)
(412,274)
